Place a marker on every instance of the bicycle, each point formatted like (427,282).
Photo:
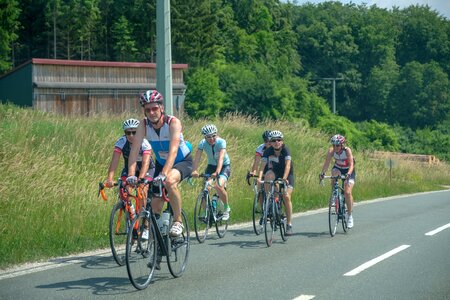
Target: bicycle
(122,215)
(258,204)
(274,216)
(208,211)
(144,254)
(336,204)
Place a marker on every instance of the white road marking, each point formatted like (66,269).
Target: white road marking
(376,260)
(305,297)
(433,232)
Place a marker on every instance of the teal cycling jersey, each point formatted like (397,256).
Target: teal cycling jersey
(213,151)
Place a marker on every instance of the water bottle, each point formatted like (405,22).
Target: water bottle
(214,203)
(165,222)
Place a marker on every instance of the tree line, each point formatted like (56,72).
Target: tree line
(267,58)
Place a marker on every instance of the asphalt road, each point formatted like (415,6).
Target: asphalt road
(398,249)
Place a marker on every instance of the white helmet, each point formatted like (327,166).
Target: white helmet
(130,123)
(275,134)
(209,129)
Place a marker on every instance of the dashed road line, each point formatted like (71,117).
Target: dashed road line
(437,230)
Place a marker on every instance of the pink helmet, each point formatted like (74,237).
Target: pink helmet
(337,139)
(151,96)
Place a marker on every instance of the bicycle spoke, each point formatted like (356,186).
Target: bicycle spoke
(178,250)
(118,228)
(201,218)
(141,253)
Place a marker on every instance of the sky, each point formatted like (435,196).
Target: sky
(441,6)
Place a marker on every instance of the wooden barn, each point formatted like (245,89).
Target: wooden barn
(73,87)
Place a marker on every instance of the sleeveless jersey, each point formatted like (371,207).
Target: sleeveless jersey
(161,142)
(213,151)
(341,160)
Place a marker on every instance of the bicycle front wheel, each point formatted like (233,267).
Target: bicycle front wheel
(201,217)
(269,223)
(221,225)
(258,212)
(343,212)
(119,225)
(178,249)
(281,218)
(333,214)
(141,252)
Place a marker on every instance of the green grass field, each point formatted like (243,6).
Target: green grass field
(51,167)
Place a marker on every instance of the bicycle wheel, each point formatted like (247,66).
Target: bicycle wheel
(269,224)
(333,214)
(178,249)
(141,253)
(118,228)
(343,211)
(281,218)
(258,212)
(221,225)
(201,217)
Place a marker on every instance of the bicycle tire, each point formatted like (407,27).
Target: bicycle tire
(221,225)
(343,210)
(141,254)
(333,215)
(201,217)
(258,213)
(281,218)
(119,224)
(178,249)
(269,226)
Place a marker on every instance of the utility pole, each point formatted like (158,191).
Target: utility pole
(164,54)
(334,90)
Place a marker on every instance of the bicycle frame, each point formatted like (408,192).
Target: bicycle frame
(274,207)
(336,204)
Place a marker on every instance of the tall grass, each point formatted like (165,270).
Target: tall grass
(51,167)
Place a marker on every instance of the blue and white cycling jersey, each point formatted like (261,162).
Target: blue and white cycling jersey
(161,141)
(213,151)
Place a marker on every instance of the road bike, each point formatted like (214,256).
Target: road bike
(122,215)
(336,205)
(208,212)
(144,253)
(274,217)
(258,204)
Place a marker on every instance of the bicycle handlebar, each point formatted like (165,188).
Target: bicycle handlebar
(102,186)
(250,176)
(342,177)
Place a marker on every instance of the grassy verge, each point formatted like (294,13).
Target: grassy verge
(51,167)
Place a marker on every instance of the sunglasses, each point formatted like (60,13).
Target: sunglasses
(152,109)
(276,140)
(130,132)
(210,136)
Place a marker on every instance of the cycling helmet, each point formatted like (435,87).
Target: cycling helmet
(151,96)
(130,123)
(337,139)
(275,135)
(209,129)
(265,135)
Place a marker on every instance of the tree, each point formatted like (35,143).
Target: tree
(124,46)
(9,14)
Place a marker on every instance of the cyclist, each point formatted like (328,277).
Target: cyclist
(173,159)
(259,152)
(277,163)
(344,165)
(218,163)
(145,166)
